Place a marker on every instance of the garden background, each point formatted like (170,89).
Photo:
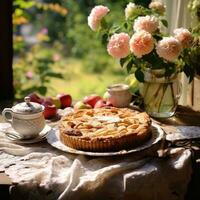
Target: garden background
(55,51)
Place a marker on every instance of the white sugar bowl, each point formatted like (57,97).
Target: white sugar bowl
(26,118)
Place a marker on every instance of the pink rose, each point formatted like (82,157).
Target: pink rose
(146,23)
(29,74)
(158,6)
(141,43)
(184,36)
(118,45)
(44,31)
(169,48)
(96,15)
(56,57)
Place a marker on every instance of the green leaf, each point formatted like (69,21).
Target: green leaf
(125,25)
(104,38)
(158,37)
(53,74)
(139,11)
(170,69)
(136,61)
(144,3)
(129,66)
(164,22)
(123,61)
(104,24)
(155,62)
(139,75)
(42,90)
(189,72)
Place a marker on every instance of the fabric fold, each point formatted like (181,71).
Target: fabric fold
(42,172)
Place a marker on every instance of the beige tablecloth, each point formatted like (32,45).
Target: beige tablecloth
(42,172)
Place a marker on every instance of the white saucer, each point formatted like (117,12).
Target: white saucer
(11,134)
(54,140)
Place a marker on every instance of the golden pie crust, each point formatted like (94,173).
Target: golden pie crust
(105,129)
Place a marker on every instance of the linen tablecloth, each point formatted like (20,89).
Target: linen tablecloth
(41,172)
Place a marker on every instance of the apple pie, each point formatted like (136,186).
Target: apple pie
(105,129)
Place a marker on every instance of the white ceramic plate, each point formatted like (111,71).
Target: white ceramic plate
(53,139)
(10,134)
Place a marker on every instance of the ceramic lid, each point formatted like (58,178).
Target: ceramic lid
(27,107)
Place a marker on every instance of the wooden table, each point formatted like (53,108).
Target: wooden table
(184,116)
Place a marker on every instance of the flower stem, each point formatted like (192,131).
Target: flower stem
(155,94)
(173,97)
(163,94)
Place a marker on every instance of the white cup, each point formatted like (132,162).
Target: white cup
(119,95)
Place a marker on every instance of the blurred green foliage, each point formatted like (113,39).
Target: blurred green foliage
(60,27)
(34,70)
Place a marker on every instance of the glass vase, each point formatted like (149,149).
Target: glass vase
(160,93)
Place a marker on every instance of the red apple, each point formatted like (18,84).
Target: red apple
(92,99)
(35,98)
(50,109)
(65,100)
(101,103)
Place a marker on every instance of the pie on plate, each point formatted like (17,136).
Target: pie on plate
(105,129)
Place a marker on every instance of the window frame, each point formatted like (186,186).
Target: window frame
(6,51)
